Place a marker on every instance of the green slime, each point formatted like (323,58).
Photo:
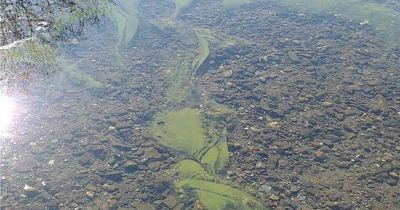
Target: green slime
(180,5)
(182,130)
(125,17)
(178,77)
(203,52)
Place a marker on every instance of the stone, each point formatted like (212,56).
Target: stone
(130,166)
(272,124)
(151,153)
(227,73)
(339,116)
(265,188)
(154,165)
(38,206)
(119,145)
(272,162)
(90,194)
(319,156)
(379,105)
(260,165)
(101,204)
(303,99)
(333,138)
(143,206)
(30,191)
(170,201)
(293,56)
(274,197)
(393,174)
(25,164)
(114,176)
(85,159)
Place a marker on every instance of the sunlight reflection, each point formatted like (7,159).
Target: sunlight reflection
(7,109)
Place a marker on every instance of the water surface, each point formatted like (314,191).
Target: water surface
(205,104)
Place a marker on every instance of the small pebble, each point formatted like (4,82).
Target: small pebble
(393,174)
(274,197)
(51,162)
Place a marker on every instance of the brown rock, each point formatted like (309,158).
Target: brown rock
(170,201)
(151,153)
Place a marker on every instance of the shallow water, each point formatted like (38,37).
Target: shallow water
(200,104)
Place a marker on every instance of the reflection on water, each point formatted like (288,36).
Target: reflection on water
(7,109)
(199,104)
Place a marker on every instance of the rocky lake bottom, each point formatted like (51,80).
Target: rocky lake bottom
(256,106)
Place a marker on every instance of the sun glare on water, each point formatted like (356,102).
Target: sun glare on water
(7,109)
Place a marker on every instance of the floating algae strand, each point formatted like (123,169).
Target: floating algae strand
(383,19)
(180,5)
(216,196)
(203,52)
(213,193)
(216,157)
(125,16)
(73,71)
(178,77)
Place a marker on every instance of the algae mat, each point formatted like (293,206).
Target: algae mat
(183,130)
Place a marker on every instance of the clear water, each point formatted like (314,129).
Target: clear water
(232,104)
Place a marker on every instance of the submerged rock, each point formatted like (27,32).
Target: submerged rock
(25,164)
(114,176)
(379,105)
(293,56)
(170,201)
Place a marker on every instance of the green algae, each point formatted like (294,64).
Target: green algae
(178,78)
(215,196)
(73,71)
(202,139)
(125,17)
(193,170)
(181,130)
(203,52)
(180,5)
(383,19)
(216,157)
